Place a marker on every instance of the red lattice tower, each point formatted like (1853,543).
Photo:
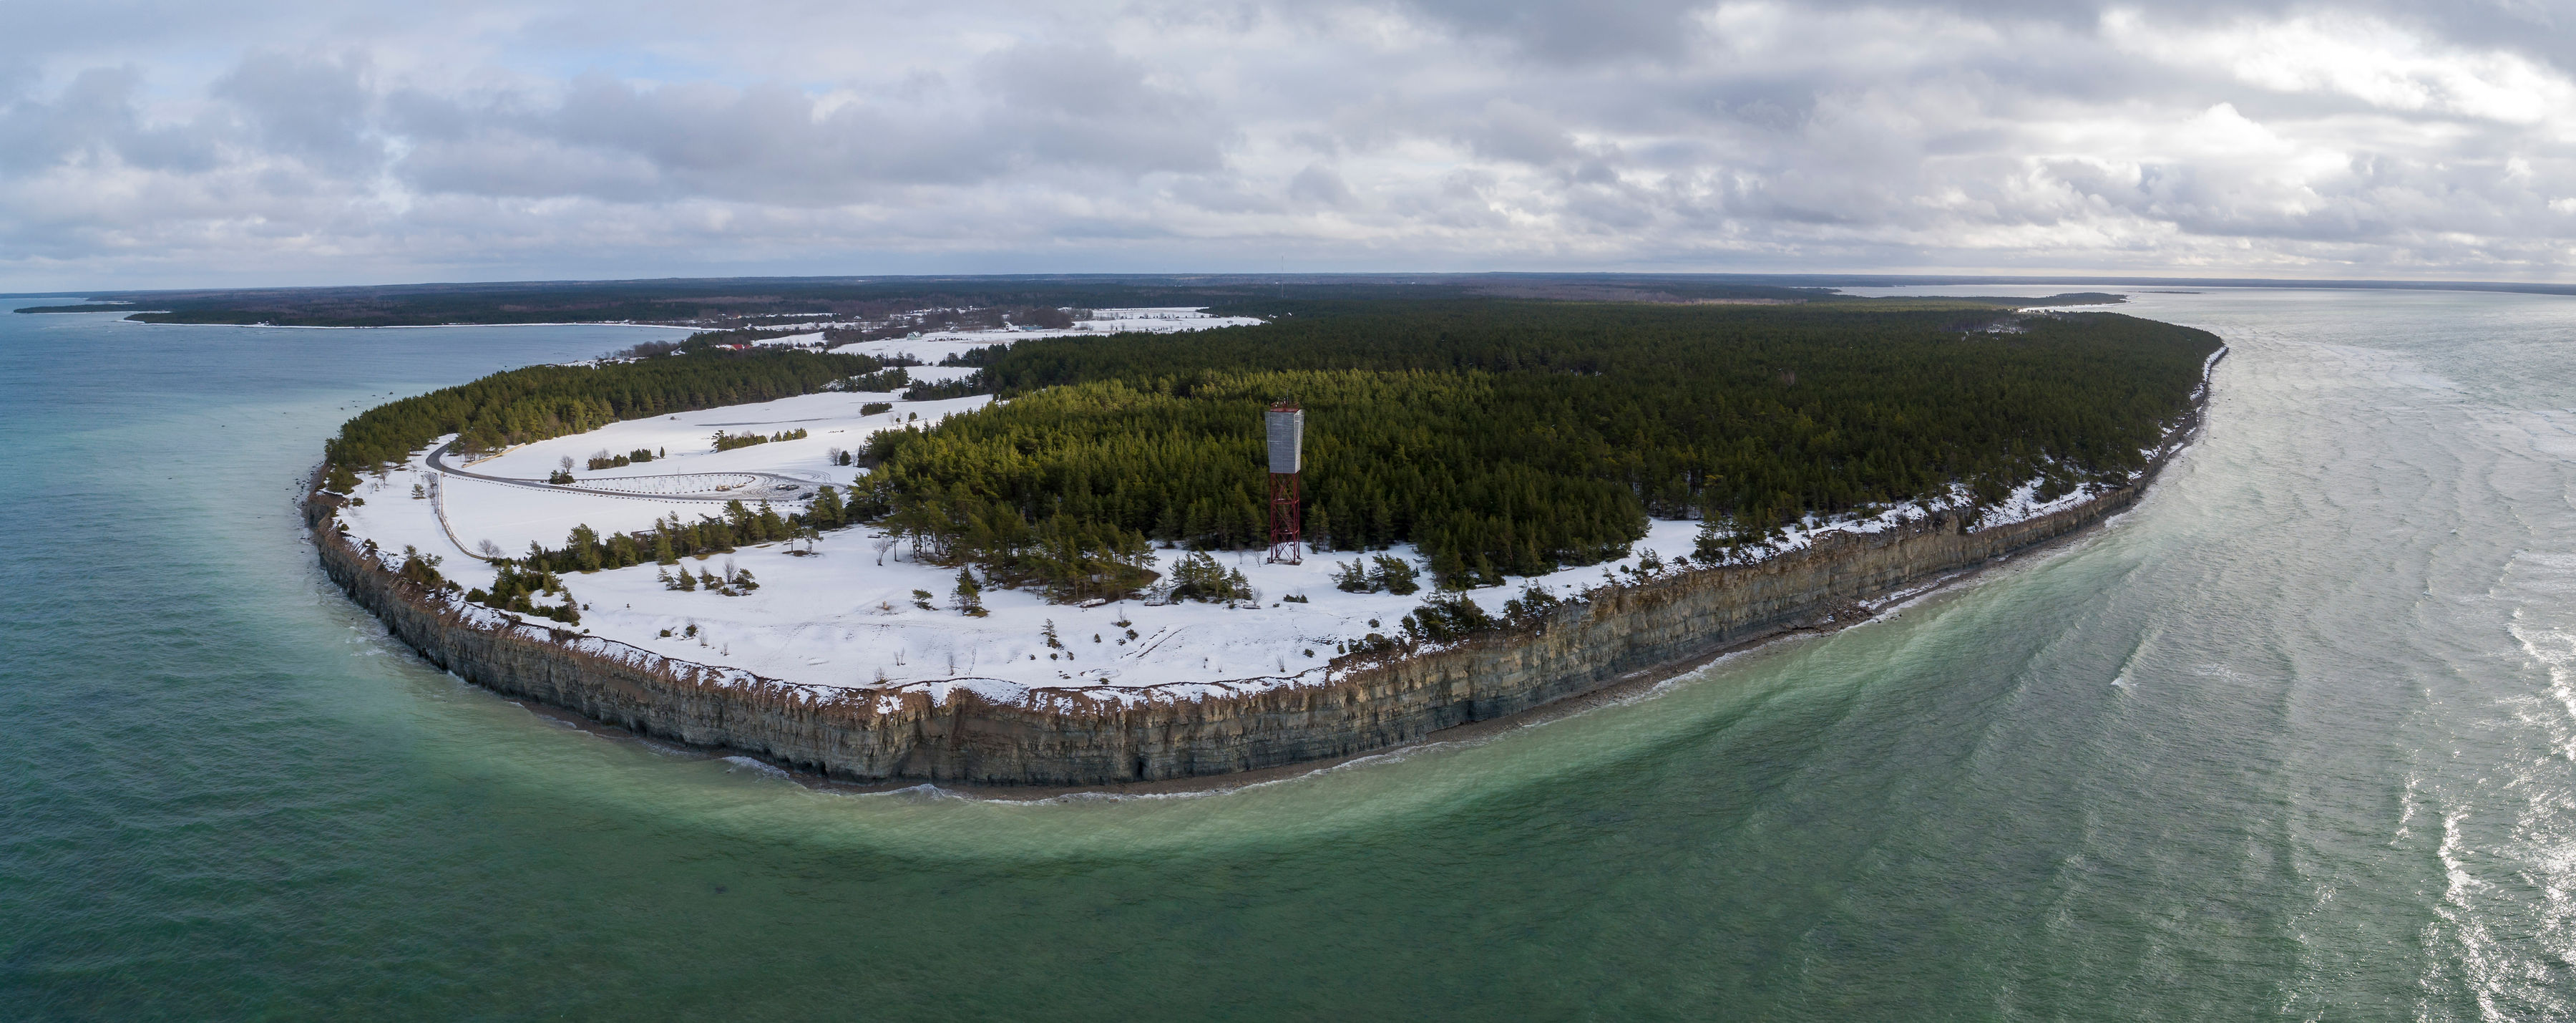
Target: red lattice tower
(1287,429)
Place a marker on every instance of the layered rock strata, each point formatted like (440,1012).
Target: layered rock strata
(1368,703)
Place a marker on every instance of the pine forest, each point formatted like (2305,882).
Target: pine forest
(1516,437)
(1501,437)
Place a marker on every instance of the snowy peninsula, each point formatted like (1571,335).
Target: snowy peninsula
(862,620)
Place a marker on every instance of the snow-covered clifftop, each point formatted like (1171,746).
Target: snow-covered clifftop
(1302,690)
(1369,702)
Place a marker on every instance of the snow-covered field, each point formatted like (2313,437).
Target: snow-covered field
(846,615)
(936,345)
(831,420)
(512,516)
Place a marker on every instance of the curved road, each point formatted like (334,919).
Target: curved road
(769,486)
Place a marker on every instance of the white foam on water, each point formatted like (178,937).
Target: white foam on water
(2505,924)
(2553,651)
(2459,923)
(926,792)
(2411,800)
(740,763)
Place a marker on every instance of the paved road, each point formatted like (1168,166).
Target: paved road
(766,486)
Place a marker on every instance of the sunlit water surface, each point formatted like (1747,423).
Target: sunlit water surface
(2296,736)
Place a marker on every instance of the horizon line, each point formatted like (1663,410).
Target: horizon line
(1822,279)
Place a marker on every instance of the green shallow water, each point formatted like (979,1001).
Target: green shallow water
(2296,736)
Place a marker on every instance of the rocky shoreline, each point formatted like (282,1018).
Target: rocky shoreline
(1370,703)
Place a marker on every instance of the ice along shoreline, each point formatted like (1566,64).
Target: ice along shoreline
(1368,704)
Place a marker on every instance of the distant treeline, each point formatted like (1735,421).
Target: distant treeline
(671,539)
(538,402)
(984,318)
(1512,437)
(744,300)
(702,341)
(735,441)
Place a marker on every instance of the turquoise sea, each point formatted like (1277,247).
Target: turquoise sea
(2296,737)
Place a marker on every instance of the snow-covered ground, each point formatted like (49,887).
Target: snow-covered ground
(846,615)
(830,419)
(511,516)
(933,346)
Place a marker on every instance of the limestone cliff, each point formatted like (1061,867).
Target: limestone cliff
(1370,703)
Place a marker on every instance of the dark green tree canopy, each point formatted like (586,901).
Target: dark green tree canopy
(1502,437)
(1508,437)
(536,402)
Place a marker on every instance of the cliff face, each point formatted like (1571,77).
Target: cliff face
(1368,705)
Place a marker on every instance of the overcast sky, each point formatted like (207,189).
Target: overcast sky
(148,143)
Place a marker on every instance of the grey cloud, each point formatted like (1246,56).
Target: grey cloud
(1219,194)
(505,164)
(1514,134)
(1574,32)
(1091,105)
(1319,185)
(315,109)
(1514,131)
(1049,108)
(93,120)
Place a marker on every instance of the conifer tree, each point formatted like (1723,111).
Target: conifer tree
(827,509)
(583,545)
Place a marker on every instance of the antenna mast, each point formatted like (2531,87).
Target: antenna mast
(1287,429)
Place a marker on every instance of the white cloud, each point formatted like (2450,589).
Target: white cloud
(300,141)
(2359,57)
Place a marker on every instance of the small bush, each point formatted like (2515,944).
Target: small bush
(1196,576)
(1389,574)
(420,568)
(1395,574)
(1532,607)
(1445,618)
(515,589)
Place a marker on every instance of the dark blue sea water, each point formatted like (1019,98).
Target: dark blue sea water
(2296,737)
